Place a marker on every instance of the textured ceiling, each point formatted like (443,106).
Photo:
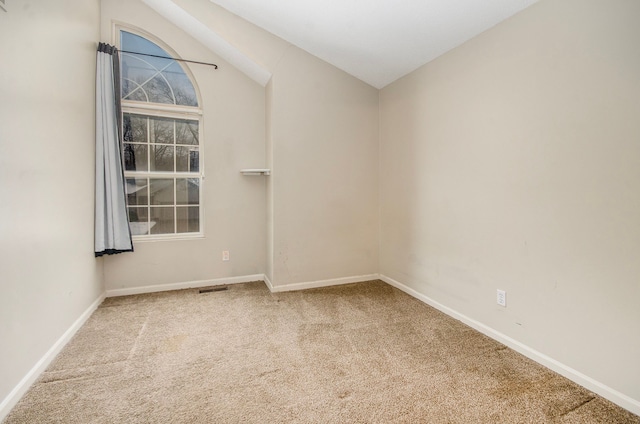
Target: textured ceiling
(377,41)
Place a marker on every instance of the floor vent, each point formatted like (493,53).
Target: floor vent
(213,289)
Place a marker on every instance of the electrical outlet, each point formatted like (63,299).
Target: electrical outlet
(502,298)
(225,255)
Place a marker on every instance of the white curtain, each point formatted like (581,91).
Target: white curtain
(112,233)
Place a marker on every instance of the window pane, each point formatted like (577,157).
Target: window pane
(187,159)
(142,77)
(131,88)
(161,191)
(183,90)
(138,221)
(135,157)
(137,191)
(161,130)
(187,191)
(194,161)
(139,95)
(159,91)
(162,158)
(188,219)
(186,132)
(134,128)
(162,221)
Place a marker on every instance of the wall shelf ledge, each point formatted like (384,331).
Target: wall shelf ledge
(256,171)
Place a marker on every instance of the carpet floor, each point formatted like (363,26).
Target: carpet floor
(359,353)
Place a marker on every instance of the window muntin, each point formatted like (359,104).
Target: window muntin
(161,127)
(160,144)
(163,205)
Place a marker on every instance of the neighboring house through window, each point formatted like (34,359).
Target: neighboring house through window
(161,121)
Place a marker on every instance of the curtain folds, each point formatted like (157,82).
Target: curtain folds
(112,233)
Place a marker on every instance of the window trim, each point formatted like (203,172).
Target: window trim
(163,110)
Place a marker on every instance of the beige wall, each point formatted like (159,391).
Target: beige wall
(322,144)
(512,162)
(316,217)
(325,172)
(233,139)
(48,273)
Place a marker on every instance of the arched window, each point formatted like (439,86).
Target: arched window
(154,77)
(161,121)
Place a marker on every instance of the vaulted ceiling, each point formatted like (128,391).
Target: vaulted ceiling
(377,41)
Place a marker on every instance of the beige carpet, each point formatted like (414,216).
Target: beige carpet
(361,353)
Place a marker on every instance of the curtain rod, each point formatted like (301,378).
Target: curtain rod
(171,58)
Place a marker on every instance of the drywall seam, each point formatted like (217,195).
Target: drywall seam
(23,386)
(210,39)
(322,283)
(589,383)
(184,285)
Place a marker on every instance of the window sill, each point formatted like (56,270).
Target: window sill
(167,237)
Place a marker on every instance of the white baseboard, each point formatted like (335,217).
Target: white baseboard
(185,285)
(16,394)
(320,283)
(267,281)
(589,383)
